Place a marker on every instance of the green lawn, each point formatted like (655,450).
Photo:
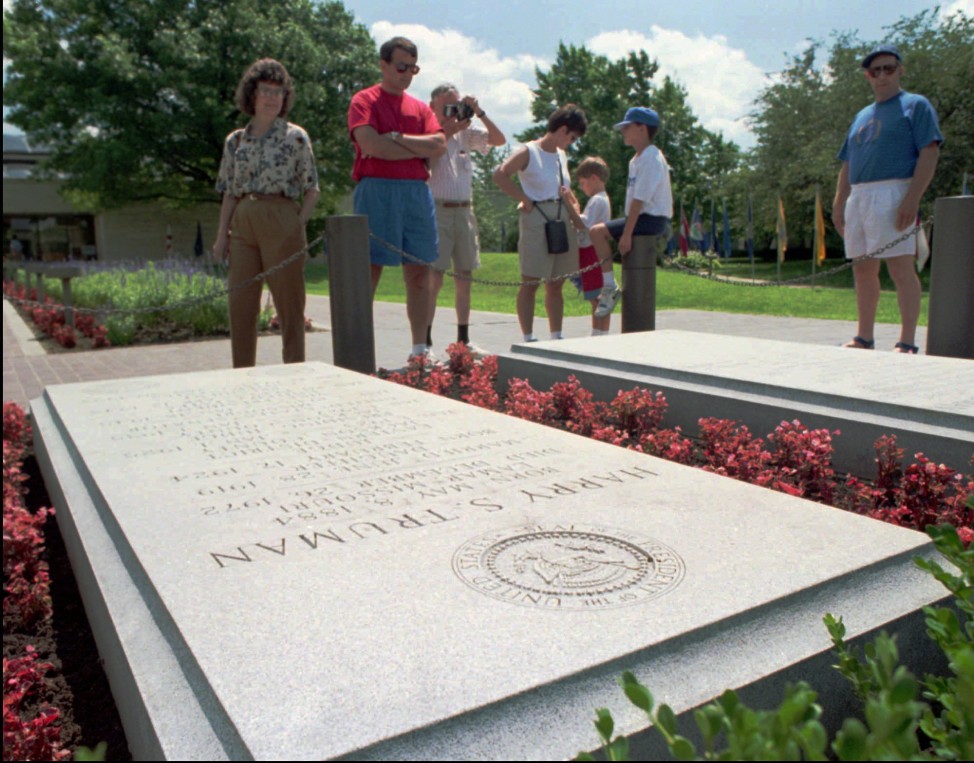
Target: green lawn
(831,298)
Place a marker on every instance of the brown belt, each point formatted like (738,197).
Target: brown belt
(264,197)
(454,204)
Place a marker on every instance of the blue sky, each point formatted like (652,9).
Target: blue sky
(723,53)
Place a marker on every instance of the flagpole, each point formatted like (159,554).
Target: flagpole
(818,190)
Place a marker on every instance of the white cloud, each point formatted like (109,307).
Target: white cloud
(721,82)
(502,84)
(967,6)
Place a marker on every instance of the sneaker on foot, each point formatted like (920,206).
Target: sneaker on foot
(427,358)
(608,299)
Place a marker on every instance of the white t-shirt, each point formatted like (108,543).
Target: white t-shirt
(597,210)
(649,182)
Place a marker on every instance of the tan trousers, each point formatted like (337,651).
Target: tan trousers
(263,233)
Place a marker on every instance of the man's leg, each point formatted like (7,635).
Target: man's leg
(867,296)
(461,288)
(908,293)
(417,281)
(376,272)
(436,283)
(554,303)
(525,304)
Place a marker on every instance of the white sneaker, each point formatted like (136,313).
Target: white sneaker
(427,358)
(608,299)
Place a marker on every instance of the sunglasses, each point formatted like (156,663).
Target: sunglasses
(403,68)
(887,69)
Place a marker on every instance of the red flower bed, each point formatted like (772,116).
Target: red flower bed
(793,459)
(50,319)
(30,726)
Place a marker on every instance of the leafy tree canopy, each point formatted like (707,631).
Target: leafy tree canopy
(700,160)
(802,119)
(135,98)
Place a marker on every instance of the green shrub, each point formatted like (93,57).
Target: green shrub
(896,705)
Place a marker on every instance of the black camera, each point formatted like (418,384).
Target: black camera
(459,110)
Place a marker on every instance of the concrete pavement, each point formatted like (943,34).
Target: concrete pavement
(27,368)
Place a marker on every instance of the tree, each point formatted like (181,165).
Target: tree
(700,160)
(135,99)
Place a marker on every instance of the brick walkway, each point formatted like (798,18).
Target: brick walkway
(27,369)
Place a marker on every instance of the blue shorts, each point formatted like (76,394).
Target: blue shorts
(400,212)
(646,225)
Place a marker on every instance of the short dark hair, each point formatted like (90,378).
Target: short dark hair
(593,165)
(570,116)
(264,70)
(389,46)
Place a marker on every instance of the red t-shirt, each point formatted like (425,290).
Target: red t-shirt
(390,113)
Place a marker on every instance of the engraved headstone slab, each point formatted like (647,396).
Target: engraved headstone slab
(302,563)
(926,401)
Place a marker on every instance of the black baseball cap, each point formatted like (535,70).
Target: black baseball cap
(881,50)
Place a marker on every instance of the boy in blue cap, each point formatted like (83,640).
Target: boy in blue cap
(649,200)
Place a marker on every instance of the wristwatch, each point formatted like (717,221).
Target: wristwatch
(482,114)
(395,136)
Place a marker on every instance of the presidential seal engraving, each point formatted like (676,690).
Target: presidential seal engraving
(569,566)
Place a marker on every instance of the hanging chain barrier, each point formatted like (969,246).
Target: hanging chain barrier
(738,281)
(226,289)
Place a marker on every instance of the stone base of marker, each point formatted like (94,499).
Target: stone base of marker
(297,562)
(927,402)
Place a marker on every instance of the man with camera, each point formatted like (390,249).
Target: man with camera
(451,181)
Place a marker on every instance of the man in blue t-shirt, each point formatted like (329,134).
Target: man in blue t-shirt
(888,160)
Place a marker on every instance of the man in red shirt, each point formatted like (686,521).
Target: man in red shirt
(394,136)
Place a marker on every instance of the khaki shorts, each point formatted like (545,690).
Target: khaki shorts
(459,247)
(532,247)
(870,220)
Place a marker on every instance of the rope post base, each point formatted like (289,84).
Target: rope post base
(350,293)
(639,285)
(950,317)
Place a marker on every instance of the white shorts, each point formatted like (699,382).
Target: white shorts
(870,220)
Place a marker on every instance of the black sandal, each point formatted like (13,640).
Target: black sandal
(906,349)
(859,343)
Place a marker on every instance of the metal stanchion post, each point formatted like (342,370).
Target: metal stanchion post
(350,290)
(950,327)
(639,285)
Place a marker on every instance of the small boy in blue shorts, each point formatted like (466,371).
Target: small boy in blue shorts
(649,198)
(592,174)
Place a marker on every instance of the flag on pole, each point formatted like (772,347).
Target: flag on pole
(819,245)
(782,231)
(713,226)
(198,246)
(684,231)
(750,231)
(696,229)
(727,236)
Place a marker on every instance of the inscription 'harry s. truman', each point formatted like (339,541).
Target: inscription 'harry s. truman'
(377,525)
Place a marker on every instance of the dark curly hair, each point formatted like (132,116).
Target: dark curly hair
(264,70)
(570,116)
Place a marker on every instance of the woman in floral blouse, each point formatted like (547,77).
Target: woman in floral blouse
(270,186)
